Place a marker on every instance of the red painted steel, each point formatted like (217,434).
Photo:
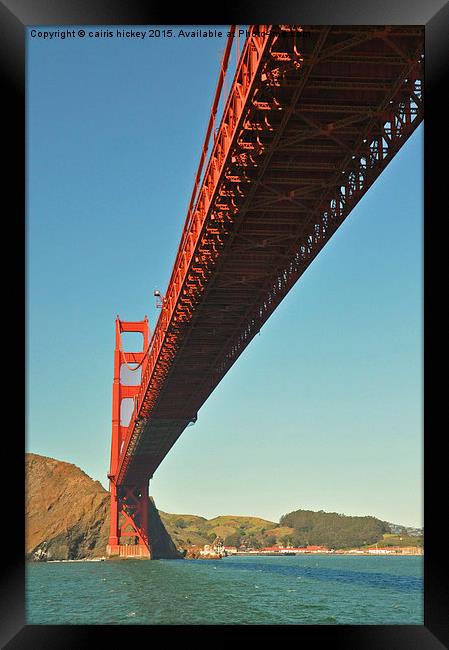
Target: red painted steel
(210,127)
(313,116)
(129,504)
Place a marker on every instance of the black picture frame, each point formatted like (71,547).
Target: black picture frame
(15,17)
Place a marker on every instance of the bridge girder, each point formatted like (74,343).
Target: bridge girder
(312,118)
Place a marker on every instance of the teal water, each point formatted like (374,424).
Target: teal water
(310,590)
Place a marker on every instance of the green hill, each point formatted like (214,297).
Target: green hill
(189,530)
(298,528)
(341,531)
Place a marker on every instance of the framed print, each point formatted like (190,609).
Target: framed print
(306,116)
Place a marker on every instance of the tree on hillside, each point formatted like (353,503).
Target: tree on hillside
(333,529)
(300,539)
(252,541)
(234,539)
(180,523)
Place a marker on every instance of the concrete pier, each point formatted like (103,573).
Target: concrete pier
(128,551)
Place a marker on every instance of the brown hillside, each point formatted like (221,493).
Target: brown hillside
(67,513)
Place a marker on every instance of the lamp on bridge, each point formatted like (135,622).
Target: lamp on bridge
(160,302)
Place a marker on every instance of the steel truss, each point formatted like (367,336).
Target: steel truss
(312,118)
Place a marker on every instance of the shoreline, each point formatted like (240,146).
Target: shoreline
(338,554)
(104,559)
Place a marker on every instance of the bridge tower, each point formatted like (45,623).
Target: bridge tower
(129,503)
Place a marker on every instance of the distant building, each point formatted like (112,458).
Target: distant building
(396,550)
(317,549)
(412,550)
(271,549)
(230,550)
(214,550)
(294,549)
(218,546)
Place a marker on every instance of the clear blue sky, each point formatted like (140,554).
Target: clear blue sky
(323,411)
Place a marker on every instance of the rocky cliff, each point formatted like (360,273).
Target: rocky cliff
(67,514)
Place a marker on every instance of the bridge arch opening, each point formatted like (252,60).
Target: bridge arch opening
(126,409)
(130,374)
(131,341)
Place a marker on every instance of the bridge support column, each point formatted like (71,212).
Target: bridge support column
(129,504)
(129,520)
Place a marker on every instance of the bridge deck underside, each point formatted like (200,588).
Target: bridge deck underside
(326,111)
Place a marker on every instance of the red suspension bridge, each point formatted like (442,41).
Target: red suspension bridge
(313,116)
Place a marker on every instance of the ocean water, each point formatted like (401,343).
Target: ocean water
(309,590)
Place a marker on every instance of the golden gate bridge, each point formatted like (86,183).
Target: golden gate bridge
(313,116)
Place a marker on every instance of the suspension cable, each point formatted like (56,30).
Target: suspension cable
(143,356)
